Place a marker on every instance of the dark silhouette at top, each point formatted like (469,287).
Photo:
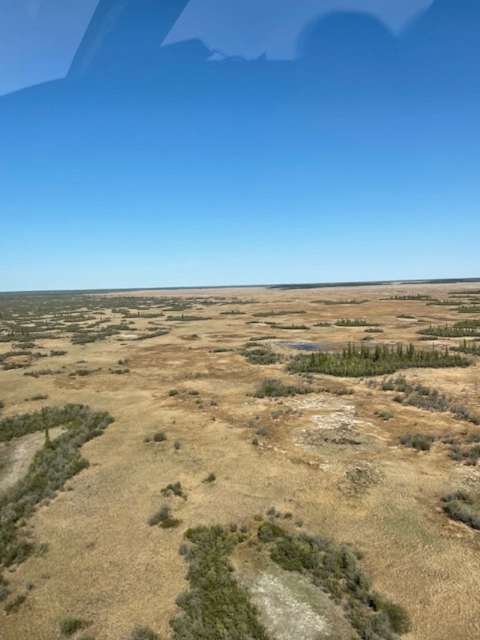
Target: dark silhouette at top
(445,40)
(352,80)
(125,33)
(347,41)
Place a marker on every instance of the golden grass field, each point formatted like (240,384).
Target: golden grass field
(328,459)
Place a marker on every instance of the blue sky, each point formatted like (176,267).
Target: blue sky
(116,185)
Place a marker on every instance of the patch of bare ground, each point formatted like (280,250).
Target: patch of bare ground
(289,605)
(18,454)
(329,460)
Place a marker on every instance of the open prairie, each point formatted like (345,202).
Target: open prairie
(360,460)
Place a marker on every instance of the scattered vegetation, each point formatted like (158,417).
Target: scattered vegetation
(471,347)
(461,506)
(337,302)
(184,318)
(384,415)
(215,607)
(210,478)
(160,436)
(356,322)
(272,388)
(465,328)
(422,397)
(418,441)
(261,356)
(336,570)
(144,633)
(409,297)
(365,361)
(174,489)
(164,518)
(51,467)
(290,327)
(69,626)
(468,309)
(14,605)
(268,314)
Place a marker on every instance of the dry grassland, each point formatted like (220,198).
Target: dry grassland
(329,459)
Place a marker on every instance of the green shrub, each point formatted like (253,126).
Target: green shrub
(69,626)
(215,607)
(210,478)
(356,322)
(51,467)
(336,570)
(271,388)
(160,436)
(418,441)
(261,356)
(461,506)
(144,633)
(164,518)
(173,489)
(365,361)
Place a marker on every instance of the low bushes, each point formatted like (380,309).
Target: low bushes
(69,626)
(461,506)
(418,441)
(271,388)
(215,607)
(144,633)
(51,467)
(261,356)
(336,570)
(164,518)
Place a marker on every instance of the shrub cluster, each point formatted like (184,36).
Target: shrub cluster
(422,397)
(418,441)
(465,328)
(261,356)
(365,361)
(356,322)
(461,506)
(336,570)
(271,388)
(51,467)
(164,518)
(215,607)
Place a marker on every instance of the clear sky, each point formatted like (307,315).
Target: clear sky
(360,164)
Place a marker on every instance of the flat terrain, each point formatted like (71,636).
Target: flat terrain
(175,363)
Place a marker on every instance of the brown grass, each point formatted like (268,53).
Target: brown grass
(328,459)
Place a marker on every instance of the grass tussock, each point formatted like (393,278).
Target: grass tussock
(143,633)
(69,626)
(173,489)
